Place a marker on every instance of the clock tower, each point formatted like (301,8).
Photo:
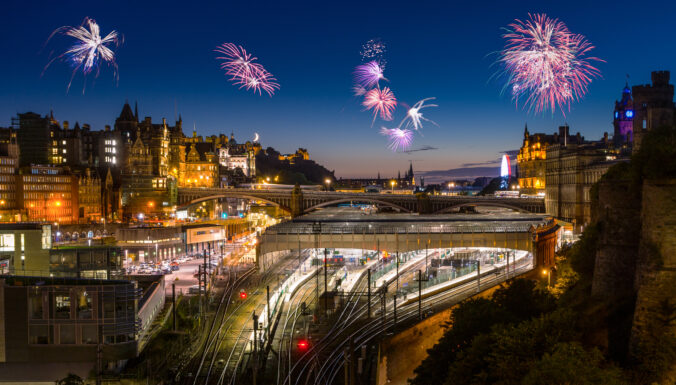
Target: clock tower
(624,118)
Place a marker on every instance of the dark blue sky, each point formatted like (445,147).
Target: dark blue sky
(440,49)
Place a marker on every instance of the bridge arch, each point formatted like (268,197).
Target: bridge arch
(237,195)
(490,204)
(369,200)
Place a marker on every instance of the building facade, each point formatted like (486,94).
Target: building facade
(571,171)
(24,248)
(653,106)
(531,160)
(54,326)
(198,169)
(48,194)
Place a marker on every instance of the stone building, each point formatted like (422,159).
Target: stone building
(143,190)
(199,169)
(89,195)
(532,157)
(653,105)
(570,171)
(234,158)
(301,154)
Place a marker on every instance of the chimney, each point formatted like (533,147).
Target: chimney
(65,124)
(107,128)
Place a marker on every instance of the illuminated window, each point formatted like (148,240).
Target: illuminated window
(61,306)
(7,242)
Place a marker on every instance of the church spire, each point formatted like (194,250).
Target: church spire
(136,110)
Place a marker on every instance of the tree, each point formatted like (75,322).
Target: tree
(570,363)
(70,379)
(470,320)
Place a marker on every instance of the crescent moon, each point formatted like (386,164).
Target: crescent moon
(256,137)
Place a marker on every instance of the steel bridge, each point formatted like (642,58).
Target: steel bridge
(298,202)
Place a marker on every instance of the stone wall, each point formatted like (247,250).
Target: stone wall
(620,230)
(656,273)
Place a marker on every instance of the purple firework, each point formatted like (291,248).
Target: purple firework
(399,139)
(368,75)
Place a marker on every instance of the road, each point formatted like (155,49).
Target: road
(185,276)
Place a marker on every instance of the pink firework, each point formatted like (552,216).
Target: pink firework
(368,75)
(400,140)
(382,102)
(259,81)
(240,66)
(546,64)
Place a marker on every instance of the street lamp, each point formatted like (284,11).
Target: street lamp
(392,183)
(548,273)
(328,182)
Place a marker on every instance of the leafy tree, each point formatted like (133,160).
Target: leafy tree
(517,301)
(582,255)
(517,347)
(521,300)
(469,319)
(570,363)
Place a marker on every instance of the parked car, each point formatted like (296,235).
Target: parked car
(195,289)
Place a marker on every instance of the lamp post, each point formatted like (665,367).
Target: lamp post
(392,183)
(328,183)
(548,273)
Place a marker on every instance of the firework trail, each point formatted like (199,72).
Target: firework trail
(400,140)
(374,50)
(359,90)
(368,75)
(414,117)
(546,65)
(89,50)
(240,66)
(382,102)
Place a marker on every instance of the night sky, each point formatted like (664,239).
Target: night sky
(441,49)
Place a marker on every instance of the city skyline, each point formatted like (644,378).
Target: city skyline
(181,76)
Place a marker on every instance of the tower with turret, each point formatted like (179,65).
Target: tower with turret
(623,118)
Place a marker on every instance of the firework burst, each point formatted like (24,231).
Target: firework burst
(546,65)
(374,50)
(368,75)
(89,50)
(400,139)
(382,102)
(414,117)
(243,71)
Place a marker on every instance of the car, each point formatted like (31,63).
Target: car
(166,270)
(195,289)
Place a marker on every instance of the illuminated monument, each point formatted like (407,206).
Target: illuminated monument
(505,172)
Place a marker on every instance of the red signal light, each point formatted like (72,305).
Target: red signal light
(303,345)
(242,294)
